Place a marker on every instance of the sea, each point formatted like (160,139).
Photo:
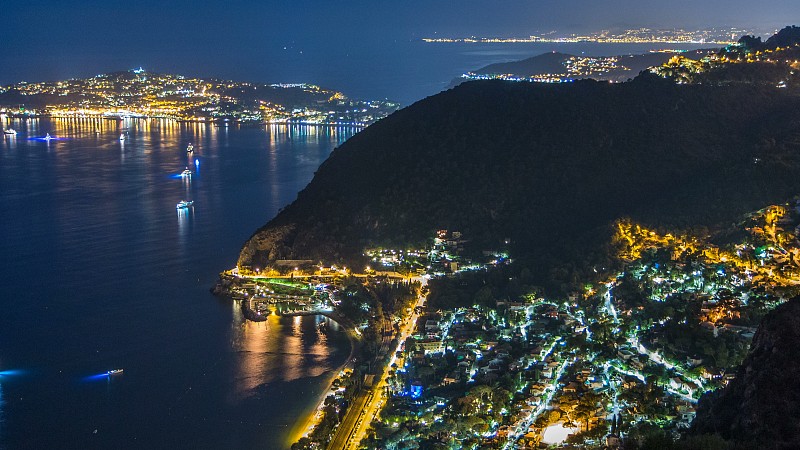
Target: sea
(100,271)
(407,71)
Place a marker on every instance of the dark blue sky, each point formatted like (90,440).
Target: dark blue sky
(50,39)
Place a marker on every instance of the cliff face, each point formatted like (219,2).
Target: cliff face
(761,406)
(548,166)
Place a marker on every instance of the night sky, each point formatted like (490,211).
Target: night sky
(52,39)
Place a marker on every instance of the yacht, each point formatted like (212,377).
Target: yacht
(10,132)
(114,372)
(189,148)
(183,204)
(186,172)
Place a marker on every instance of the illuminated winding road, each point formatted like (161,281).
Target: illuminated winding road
(368,403)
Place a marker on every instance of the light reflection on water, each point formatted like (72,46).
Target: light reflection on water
(98,273)
(2,416)
(283,349)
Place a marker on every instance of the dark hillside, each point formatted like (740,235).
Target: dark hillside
(760,408)
(549,166)
(552,62)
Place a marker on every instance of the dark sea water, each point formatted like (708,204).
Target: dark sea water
(407,71)
(98,271)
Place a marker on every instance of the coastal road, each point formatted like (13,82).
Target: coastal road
(351,418)
(359,416)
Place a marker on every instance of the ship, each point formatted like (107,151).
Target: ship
(183,204)
(113,372)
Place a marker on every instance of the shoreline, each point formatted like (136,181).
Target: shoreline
(305,425)
(306,422)
(210,120)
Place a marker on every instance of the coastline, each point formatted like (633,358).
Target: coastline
(208,120)
(306,424)
(228,286)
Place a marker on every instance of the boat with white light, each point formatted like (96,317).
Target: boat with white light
(189,148)
(48,137)
(113,372)
(186,172)
(10,132)
(122,137)
(183,204)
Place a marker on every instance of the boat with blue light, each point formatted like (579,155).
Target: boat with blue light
(183,204)
(113,372)
(186,172)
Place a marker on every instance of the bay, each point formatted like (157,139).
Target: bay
(100,271)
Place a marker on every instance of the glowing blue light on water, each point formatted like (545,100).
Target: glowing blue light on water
(99,376)
(11,373)
(47,139)
(197,162)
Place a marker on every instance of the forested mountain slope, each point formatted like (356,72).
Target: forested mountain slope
(549,166)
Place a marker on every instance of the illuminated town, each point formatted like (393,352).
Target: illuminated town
(684,69)
(575,67)
(737,56)
(139,93)
(631,36)
(611,358)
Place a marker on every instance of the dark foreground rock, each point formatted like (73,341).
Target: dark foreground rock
(761,407)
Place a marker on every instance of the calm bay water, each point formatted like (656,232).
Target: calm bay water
(99,271)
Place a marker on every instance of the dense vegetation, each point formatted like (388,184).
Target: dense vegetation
(761,407)
(548,166)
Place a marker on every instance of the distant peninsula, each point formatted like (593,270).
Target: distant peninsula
(140,93)
(556,67)
(641,35)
